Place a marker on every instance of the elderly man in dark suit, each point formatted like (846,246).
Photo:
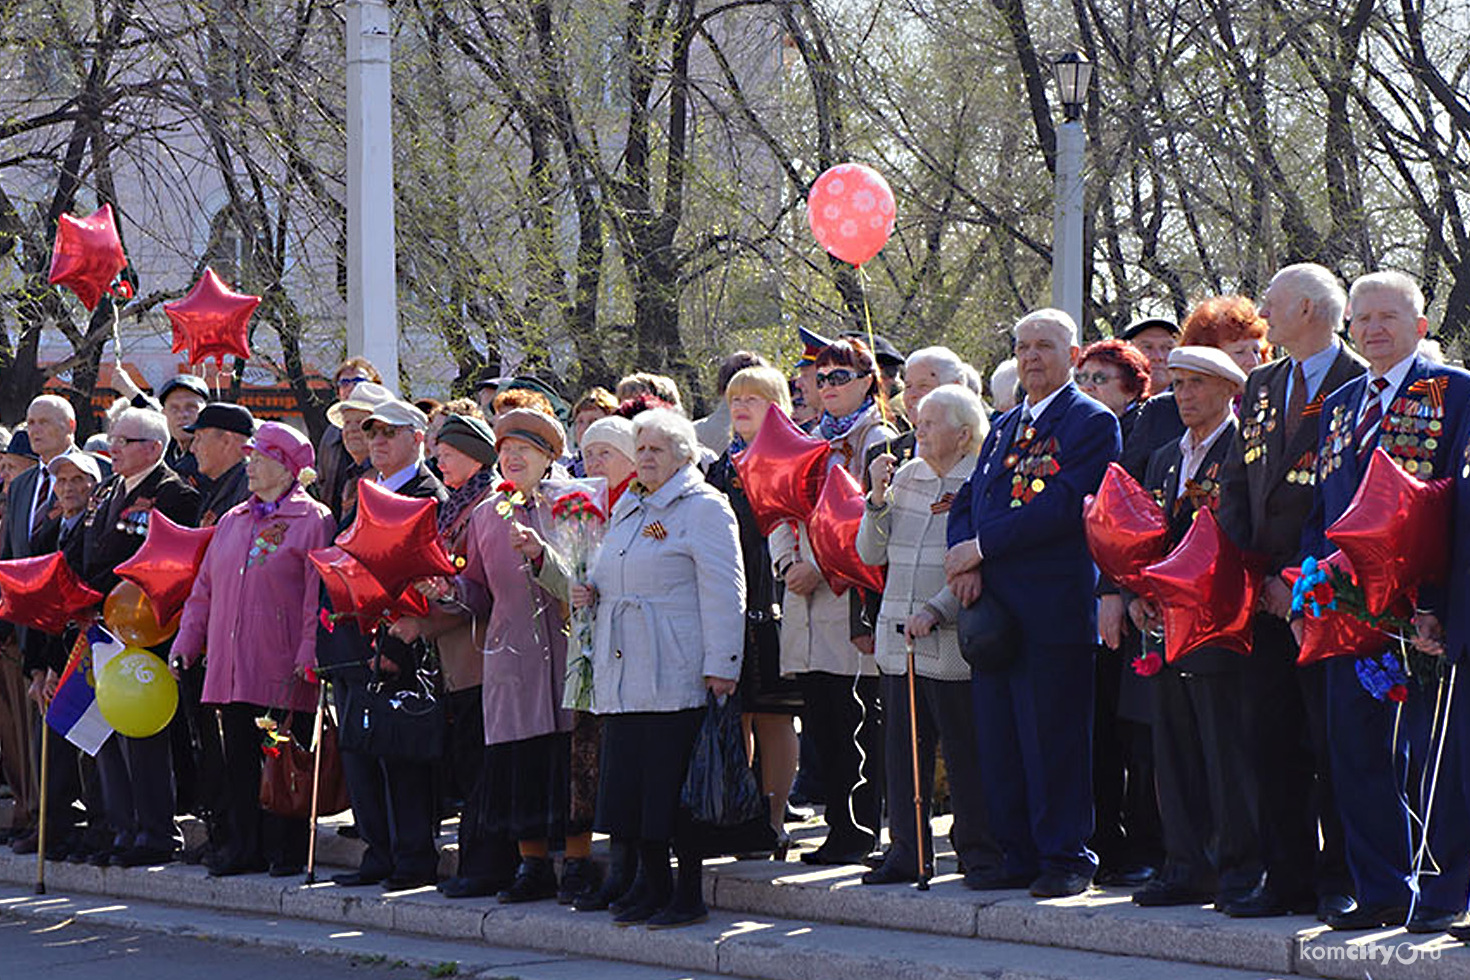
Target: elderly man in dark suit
(1417,411)
(50,427)
(392,799)
(1206,789)
(137,773)
(1015,529)
(1265,498)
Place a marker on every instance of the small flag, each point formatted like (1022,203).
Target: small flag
(74,712)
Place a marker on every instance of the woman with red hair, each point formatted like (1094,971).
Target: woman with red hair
(1117,374)
(1232,324)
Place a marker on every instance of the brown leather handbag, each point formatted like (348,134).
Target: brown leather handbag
(285,779)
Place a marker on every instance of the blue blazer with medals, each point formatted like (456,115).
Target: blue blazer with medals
(1024,503)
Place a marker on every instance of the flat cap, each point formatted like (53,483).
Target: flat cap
(1206,360)
(224,415)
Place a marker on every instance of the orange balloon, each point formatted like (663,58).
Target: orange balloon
(129,613)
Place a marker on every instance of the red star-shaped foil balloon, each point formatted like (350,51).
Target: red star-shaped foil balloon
(1336,633)
(87,256)
(166,565)
(212,321)
(395,537)
(352,589)
(782,471)
(1395,532)
(833,529)
(1126,528)
(1206,591)
(43,592)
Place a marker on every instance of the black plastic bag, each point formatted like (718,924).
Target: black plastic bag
(720,788)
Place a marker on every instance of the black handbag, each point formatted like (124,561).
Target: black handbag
(990,635)
(406,724)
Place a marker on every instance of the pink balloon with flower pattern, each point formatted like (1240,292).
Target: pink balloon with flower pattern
(851,212)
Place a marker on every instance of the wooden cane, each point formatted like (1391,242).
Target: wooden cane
(914,755)
(316,779)
(41,816)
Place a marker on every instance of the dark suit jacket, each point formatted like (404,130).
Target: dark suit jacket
(1035,556)
(345,645)
(1162,478)
(1260,509)
(17,540)
(105,545)
(41,650)
(1156,424)
(1335,489)
(232,487)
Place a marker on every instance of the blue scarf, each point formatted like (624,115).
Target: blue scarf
(737,445)
(832,427)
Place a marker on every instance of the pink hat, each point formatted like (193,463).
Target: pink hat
(286,446)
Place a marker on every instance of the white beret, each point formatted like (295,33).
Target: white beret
(1207,360)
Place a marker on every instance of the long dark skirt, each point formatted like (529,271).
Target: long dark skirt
(586,746)
(645,757)
(523,789)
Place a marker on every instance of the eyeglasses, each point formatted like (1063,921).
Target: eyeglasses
(1097,378)
(124,440)
(840,377)
(386,431)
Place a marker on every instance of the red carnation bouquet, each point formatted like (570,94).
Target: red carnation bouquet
(578,523)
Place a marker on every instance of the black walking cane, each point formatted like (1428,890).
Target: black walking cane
(914,755)
(316,779)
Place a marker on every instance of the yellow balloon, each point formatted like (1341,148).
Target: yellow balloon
(136,693)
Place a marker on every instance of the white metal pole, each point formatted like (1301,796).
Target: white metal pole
(1066,256)
(372,300)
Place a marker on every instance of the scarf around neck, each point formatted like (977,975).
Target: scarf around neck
(832,427)
(459,500)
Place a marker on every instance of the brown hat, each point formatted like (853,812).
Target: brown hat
(529,425)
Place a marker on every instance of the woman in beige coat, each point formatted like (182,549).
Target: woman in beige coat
(838,678)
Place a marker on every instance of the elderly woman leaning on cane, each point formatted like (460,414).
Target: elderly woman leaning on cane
(255,604)
(904,524)
(669,593)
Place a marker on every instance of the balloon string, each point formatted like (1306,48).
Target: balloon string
(872,346)
(1440,726)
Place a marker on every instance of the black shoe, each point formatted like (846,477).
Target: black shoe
(1368,917)
(1333,905)
(228,869)
(26,844)
(798,814)
(102,857)
(891,874)
(996,879)
(284,869)
(579,876)
(359,878)
(1432,922)
(1164,894)
(635,915)
(1126,876)
(348,830)
(632,897)
(139,857)
(471,886)
(674,917)
(202,854)
(1460,930)
(835,856)
(1263,903)
(1060,884)
(402,881)
(535,880)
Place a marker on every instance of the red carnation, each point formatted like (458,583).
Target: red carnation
(325,618)
(1149,664)
(505,486)
(1398,694)
(1323,593)
(271,750)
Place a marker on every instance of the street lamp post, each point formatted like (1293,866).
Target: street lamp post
(372,280)
(1073,73)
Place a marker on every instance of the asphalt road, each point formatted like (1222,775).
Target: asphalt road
(76,950)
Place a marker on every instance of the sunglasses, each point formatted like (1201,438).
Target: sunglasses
(840,377)
(1095,378)
(386,431)
(344,382)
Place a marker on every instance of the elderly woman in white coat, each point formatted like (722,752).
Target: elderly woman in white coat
(837,676)
(669,592)
(904,525)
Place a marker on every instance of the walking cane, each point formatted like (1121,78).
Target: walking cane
(41,826)
(316,779)
(914,755)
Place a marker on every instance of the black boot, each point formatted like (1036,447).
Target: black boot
(622,869)
(688,905)
(579,877)
(657,885)
(535,880)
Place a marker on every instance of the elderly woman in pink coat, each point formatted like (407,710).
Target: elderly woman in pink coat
(254,608)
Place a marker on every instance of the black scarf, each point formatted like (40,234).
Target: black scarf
(466,496)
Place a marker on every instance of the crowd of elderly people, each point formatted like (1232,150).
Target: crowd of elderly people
(1024,693)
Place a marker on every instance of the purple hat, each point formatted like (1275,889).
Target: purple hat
(286,446)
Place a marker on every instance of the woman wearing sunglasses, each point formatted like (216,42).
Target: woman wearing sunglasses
(839,683)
